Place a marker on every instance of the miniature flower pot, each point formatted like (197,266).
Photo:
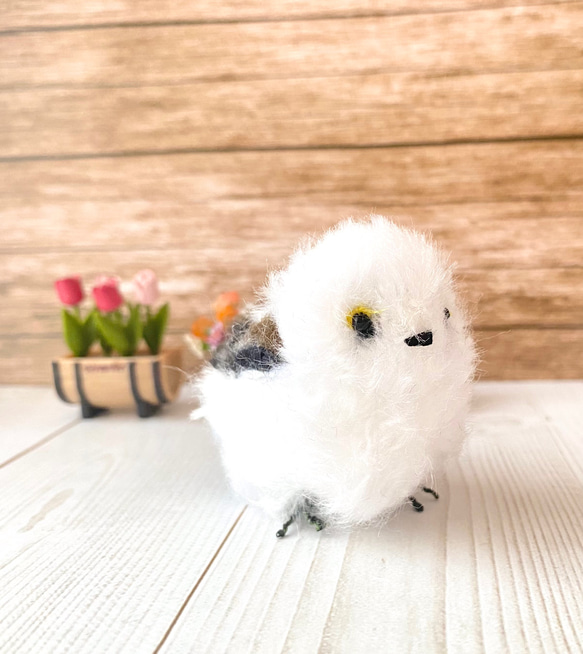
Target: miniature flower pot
(99,383)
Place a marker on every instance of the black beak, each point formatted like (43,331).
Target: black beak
(424,338)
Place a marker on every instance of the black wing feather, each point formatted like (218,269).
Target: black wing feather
(242,350)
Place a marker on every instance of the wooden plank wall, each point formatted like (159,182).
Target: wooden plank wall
(203,139)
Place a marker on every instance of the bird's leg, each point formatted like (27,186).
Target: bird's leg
(416,505)
(431,491)
(312,519)
(317,522)
(283,531)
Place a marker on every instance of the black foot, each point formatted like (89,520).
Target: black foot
(90,411)
(280,533)
(416,505)
(431,491)
(309,506)
(317,522)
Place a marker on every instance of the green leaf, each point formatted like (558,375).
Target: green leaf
(89,325)
(89,330)
(73,334)
(155,327)
(105,346)
(113,334)
(150,336)
(134,328)
(161,319)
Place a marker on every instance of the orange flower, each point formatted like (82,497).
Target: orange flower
(201,327)
(225,306)
(226,314)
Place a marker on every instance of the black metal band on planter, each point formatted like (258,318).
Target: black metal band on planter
(87,409)
(158,383)
(59,383)
(145,409)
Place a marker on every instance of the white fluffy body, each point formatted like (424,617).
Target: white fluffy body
(354,425)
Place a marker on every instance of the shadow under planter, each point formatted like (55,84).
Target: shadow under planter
(100,383)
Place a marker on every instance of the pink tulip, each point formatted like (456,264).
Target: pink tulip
(106,294)
(146,287)
(69,290)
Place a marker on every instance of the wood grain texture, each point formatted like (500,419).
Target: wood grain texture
(495,565)
(530,353)
(204,140)
(105,530)
(361,110)
(538,233)
(548,170)
(518,39)
(120,535)
(38,14)
(30,417)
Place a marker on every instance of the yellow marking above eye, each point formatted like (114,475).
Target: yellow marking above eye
(360,320)
(367,311)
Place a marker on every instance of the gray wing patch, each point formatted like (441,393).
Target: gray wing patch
(250,346)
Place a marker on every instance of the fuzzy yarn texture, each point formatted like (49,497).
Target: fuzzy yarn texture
(363,382)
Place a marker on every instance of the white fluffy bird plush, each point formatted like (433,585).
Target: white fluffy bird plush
(344,390)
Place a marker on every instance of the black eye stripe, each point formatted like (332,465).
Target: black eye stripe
(363,325)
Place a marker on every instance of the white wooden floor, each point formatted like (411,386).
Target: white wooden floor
(120,535)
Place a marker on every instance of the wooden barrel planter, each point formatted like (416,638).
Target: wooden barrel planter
(100,383)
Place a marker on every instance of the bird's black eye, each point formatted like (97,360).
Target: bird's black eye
(363,325)
(361,320)
(446,313)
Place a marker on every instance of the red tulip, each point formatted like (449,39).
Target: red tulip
(69,290)
(106,294)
